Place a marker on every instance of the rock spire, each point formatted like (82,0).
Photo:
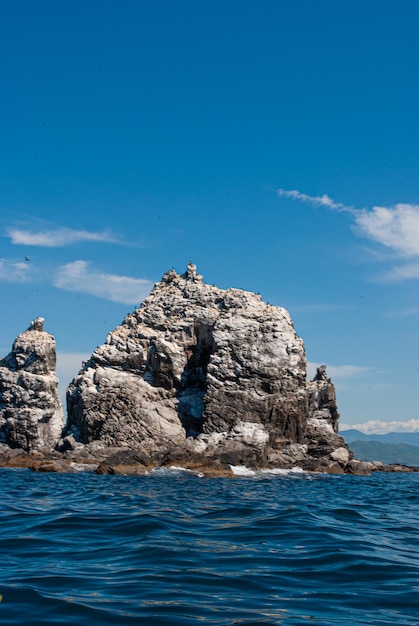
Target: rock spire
(31,414)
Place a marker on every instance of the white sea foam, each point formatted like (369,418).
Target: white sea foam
(84,467)
(172,469)
(284,472)
(242,470)
(238,470)
(178,468)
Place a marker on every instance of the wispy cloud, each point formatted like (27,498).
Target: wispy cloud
(324,200)
(413,311)
(14,272)
(395,227)
(338,372)
(78,276)
(408,271)
(57,238)
(378,427)
(347,371)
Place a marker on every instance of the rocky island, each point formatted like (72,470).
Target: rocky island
(199,377)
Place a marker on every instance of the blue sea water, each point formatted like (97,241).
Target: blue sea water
(171,548)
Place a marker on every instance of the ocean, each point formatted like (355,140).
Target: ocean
(171,548)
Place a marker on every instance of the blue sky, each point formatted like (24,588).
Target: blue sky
(272,143)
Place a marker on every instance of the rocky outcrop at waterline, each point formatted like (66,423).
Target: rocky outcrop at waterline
(198,376)
(31,414)
(199,373)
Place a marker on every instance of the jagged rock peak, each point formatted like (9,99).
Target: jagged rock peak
(190,275)
(33,350)
(31,413)
(321,373)
(37,324)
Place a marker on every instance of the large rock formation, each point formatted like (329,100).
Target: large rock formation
(201,371)
(31,414)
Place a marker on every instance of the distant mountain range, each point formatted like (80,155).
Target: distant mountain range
(388,448)
(356,435)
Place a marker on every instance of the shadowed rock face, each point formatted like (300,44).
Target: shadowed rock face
(31,414)
(220,365)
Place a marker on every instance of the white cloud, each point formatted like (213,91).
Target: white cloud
(380,428)
(347,371)
(77,276)
(339,372)
(14,272)
(396,227)
(57,238)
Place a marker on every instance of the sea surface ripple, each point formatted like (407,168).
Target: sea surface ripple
(171,548)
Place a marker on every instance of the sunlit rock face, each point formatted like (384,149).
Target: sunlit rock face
(213,371)
(31,414)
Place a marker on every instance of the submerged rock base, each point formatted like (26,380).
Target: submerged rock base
(124,462)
